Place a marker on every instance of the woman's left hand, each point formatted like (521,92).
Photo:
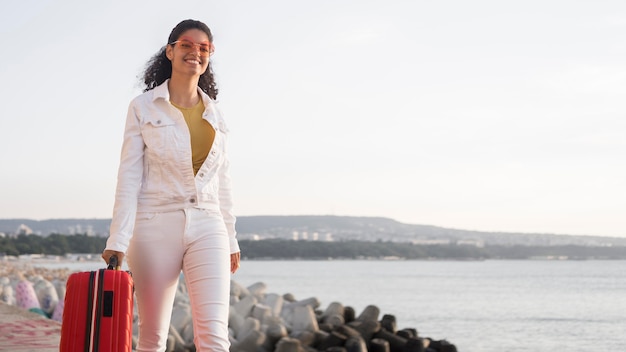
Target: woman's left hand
(234,261)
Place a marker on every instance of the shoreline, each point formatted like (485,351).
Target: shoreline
(280,318)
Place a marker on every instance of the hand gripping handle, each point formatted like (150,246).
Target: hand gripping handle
(113,263)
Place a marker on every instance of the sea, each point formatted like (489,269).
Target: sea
(479,306)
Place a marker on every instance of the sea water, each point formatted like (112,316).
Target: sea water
(480,306)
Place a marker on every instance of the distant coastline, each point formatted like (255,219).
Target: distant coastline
(82,248)
(327,228)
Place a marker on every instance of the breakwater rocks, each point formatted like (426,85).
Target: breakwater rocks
(38,290)
(266,322)
(259,321)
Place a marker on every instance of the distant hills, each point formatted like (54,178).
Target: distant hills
(330,228)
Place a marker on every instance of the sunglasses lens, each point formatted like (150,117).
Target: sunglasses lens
(203,49)
(186,44)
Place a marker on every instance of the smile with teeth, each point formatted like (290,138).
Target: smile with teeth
(193,61)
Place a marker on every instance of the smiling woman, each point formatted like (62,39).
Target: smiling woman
(160,67)
(173,204)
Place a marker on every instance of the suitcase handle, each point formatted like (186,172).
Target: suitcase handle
(113,262)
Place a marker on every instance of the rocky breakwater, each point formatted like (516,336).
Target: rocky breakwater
(38,290)
(259,321)
(269,322)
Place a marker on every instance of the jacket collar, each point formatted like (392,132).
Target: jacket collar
(162,92)
(210,112)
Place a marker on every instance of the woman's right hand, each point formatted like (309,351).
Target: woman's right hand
(107,254)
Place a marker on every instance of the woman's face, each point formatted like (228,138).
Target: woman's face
(190,53)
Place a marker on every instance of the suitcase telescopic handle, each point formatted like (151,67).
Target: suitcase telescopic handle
(112,262)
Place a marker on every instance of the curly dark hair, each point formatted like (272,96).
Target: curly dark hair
(159,68)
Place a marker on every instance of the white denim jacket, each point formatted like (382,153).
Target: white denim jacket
(156,171)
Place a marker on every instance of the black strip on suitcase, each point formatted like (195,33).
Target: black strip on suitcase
(96,337)
(89,310)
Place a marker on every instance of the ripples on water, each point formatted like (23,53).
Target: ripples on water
(482,306)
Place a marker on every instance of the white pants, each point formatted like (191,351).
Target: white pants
(196,242)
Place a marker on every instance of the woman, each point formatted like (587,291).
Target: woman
(173,203)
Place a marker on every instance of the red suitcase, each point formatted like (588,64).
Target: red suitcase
(98,311)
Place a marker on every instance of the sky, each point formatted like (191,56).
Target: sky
(476,115)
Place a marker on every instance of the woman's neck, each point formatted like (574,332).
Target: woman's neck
(183,92)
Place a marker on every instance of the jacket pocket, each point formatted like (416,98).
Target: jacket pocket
(159,135)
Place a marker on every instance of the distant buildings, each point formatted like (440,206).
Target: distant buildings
(23,230)
(78,229)
(314,236)
(295,236)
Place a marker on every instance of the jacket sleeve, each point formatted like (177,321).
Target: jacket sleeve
(226,198)
(128,184)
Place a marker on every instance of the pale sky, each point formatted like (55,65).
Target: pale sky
(477,115)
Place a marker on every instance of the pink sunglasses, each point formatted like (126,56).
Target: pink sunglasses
(205,48)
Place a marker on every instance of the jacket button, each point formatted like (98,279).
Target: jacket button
(158,122)
(192,200)
(201,174)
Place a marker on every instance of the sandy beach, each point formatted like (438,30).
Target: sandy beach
(21,330)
